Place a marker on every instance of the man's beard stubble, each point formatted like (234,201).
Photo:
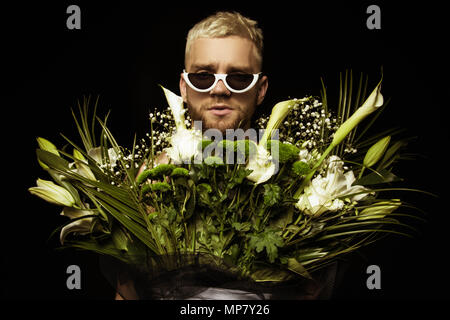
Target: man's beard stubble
(240,118)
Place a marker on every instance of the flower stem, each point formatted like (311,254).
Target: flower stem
(362,171)
(151,145)
(307,179)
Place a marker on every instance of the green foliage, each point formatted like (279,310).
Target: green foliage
(212,208)
(272,194)
(270,240)
(300,168)
(179,172)
(245,148)
(283,152)
(213,161)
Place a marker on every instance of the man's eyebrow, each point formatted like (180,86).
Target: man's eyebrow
(212,68)
(201,66)
(239,69)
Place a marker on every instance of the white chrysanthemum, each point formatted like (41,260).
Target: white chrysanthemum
(185,145)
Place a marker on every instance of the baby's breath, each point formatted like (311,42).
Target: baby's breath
(308,126)
(163,127)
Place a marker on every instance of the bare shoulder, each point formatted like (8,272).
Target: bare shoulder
(162,158)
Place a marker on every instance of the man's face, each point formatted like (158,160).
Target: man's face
(220,108)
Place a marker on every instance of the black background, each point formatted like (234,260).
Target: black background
(125,49)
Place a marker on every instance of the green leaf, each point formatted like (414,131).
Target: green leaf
(125,210)
(106,248)
(391,154)
(92,163)
(272,194)
(244,226)
(203,190)
(52,160)
(171,214)
(307,254)
(233,255)
(270,275)
(297,267)
(269,240)
(284,218)
(383,176)
(135,228)
(239,176)
(120,239)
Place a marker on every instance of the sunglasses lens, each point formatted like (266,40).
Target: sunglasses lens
(204,81)
(201,80)
(239,81)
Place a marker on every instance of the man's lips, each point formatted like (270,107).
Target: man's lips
(220,110)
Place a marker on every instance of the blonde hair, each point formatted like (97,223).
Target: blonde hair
(223,24)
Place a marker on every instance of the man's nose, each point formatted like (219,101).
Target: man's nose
(220,89)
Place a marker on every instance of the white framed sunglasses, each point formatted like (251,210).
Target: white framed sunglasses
(235,82)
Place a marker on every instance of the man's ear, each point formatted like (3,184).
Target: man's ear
(183,88)
(262,90)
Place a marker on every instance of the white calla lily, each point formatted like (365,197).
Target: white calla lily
(323,193)
(176,107)
(278,114)
(261,164)
(52,193)
(185,143)
(372,103)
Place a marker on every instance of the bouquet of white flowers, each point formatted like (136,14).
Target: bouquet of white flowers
(269,209)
